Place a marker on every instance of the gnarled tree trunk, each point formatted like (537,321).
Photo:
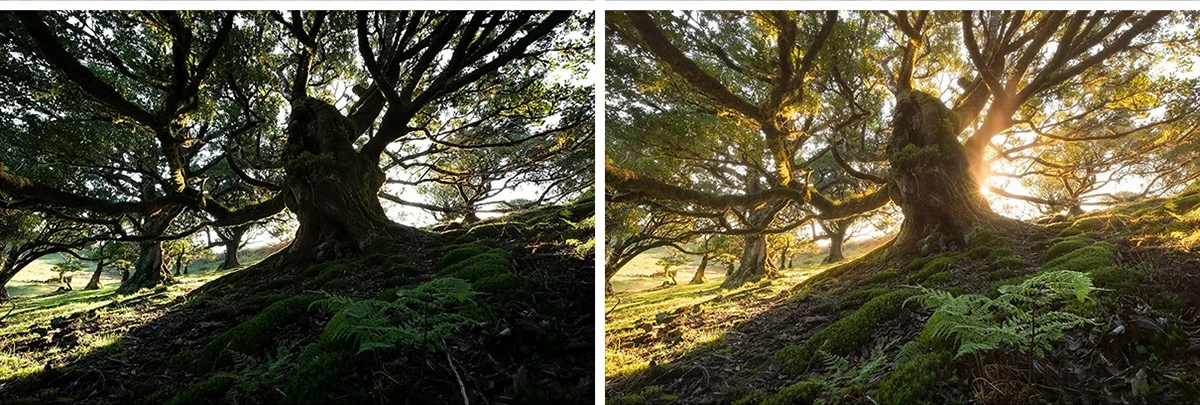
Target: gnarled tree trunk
(752,266)
(232,239)
(836,230)
(941,201)
(94,283)
(699,278)
(331,188)
(149,271)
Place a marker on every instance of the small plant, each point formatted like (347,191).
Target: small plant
(1021,316)
(254,375)
(419,318)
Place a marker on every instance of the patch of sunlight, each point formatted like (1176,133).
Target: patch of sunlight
(1185,240)
(14,365)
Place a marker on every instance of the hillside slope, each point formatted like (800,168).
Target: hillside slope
(1097,309)
(497,313)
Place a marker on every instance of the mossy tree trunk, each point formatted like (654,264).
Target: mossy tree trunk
(331,188)
(94,283)
(699,278)
(149,270)
(783,254)
(752,265)
(231,238)
(836,230)
(931,182)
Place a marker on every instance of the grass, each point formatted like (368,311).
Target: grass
(635,337)
(36,308)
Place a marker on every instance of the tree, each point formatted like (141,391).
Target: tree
(165,97)
(632,231)
(25,237)
(670,264)
(803,83)
(68,266)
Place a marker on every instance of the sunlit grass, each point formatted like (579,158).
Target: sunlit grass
(635,338)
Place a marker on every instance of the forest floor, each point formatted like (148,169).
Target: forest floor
(497,313)
(1101,308)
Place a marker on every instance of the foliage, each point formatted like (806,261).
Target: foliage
(418,318)
(254,334)
(1024,315)
(254,375)
(847,334)
(913,381)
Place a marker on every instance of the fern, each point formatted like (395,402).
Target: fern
(253,374)
(1022,316)
(418,318)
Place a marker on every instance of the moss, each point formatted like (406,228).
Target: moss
(460,253)
(1113,278)
(979,252)
(209,391)
(338,284)
(1097,256)
(1000,274)
(984,237)
(317,377)
(505,287)
(476,267)
(847,334)
(375,259)
(256,333)
(401,268)
(913,382)
(880,277)
(331,272)
(935,265)
(281,282)
(1062,246)
(862,295)
(1009,262)
(937,278)
(260,301)
(912,154)
(1000,252)
(801,393)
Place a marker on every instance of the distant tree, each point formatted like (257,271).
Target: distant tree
(670,265)
(632,231)
(26,237)
(68,266)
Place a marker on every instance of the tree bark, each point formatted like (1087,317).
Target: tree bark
(931,182)
(149,270)
(752,266)
(178,264)
(699,278)
(836,230)
(233,242)
(7,272)
(94,283)
(835,247)
(783,255)
(330,187)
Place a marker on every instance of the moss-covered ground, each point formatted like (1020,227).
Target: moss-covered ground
(847,334)
(499,312)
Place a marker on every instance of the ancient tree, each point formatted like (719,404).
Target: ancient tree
(162,124)
(892,86)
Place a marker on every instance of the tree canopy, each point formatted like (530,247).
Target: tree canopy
(739,115)
(156,125)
